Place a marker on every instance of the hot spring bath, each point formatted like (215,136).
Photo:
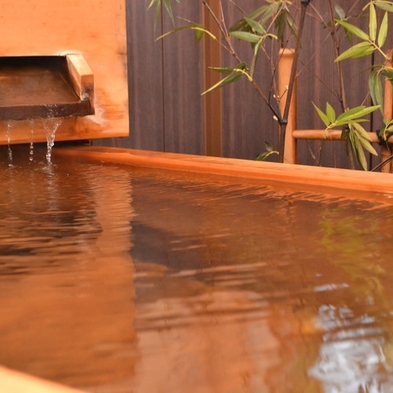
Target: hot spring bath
(118,278)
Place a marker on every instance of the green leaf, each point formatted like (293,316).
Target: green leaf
(376,89)
(355,114)
(168,7)
(223,82)
(331,114)
(323,117)
(360,154)
(367,145)
(236,73)
(242,24)
(223,70)
(255,25)
(372,23)
(245,36)
(383,31)
(199,35)
(339,11)
(387,72)
(366,136)
(269,151)
(384,5)
(195,27)
(359,50)
(357,148)
(356,31)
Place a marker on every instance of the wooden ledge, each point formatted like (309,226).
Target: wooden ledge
(342,179)
(17,382)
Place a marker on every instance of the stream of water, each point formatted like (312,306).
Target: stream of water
(117,279)
(50,125)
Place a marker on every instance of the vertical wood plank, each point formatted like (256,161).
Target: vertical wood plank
(247,121)
(212,100)
(183,84)
(167,77)
(145,81)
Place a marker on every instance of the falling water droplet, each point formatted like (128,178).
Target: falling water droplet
(8,136)
(51,124)
(31,151)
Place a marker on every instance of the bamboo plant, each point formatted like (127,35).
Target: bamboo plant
(279,24)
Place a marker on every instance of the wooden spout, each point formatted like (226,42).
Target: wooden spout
(36,87)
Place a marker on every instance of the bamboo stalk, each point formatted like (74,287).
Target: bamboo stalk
(330,135)
(284,74)
(386,151)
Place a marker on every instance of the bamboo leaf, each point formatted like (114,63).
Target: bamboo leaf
(269,151)
(372,23)
(157,11)
(364,138)
(199,35)
(322,115)
(388,73)
(222,70)
(383,30)
(362,132)
(359,50)
(168,7)
(236,73)
(223,82)
(355,114)
(356,31)
(241,24)
(255,25)
(384,5)
(245,36)
(331,114)
(358,149)
(339,11)
(368,146)
(376,89)
(197,28)
(360,154)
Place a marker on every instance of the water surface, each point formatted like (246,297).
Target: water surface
(118,279)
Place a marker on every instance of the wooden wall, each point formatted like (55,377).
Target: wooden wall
(166,78)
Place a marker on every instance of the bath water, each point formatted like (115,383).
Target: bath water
(119,279)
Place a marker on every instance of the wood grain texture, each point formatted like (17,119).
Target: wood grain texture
(95,28)
(183,85)
(166,109)
(305,177)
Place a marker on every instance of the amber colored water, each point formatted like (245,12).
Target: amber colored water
(116,279)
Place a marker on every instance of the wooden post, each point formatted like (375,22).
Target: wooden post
(284,71)
(386,151)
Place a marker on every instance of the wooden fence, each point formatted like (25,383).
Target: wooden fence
(166,78)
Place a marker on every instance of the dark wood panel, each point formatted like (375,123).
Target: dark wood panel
(166,79)
(145,78)
(247,121)
(183,85)
(319,83)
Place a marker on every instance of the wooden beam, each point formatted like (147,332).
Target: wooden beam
(302,176)
(331,135)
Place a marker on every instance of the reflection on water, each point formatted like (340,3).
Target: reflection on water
(352,360)
(118,279)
